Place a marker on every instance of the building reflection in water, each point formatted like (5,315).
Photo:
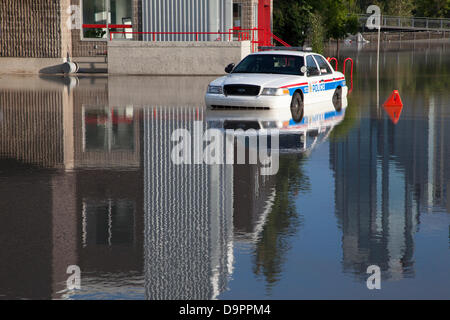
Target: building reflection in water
(188,214)
(88,182)
(108,129)
(401,174)
(68,199)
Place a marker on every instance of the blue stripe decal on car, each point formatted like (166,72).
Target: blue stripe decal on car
(318,87)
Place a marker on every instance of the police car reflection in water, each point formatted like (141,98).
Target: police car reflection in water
(317,123)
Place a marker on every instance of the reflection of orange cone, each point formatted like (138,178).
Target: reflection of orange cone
(394,99)
(393,112)
(394,106)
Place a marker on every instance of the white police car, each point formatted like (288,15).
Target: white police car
(278,79)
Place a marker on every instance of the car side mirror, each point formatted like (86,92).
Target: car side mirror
(303,69)
(229,68)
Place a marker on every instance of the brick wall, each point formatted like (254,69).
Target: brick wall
(30,28)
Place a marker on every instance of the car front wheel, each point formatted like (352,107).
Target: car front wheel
(297,107)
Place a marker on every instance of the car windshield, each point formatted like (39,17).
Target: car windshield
(271,63)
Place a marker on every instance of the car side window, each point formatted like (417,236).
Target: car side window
(323,65)
(311,67)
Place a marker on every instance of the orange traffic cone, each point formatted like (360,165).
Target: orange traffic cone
(394,99)
(393,106)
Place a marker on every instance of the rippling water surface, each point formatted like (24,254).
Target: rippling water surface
(86,179)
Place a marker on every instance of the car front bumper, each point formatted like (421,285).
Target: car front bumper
(220,101)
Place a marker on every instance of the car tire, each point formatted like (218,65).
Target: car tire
(337,99)
(297,107)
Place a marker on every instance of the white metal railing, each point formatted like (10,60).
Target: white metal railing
(411,23)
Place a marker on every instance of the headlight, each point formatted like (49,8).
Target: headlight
(215,89)
(274,92)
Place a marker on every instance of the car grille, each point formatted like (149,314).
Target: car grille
(241,90)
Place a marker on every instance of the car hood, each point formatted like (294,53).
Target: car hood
(259,79)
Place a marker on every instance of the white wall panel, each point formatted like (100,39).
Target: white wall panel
(186,16)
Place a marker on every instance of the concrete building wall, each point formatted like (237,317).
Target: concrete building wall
(174,58)
(66,32)
(22,65)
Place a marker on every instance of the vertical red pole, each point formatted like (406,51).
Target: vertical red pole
(264,22)
(251,41)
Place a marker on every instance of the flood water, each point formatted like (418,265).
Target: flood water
(86,179)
